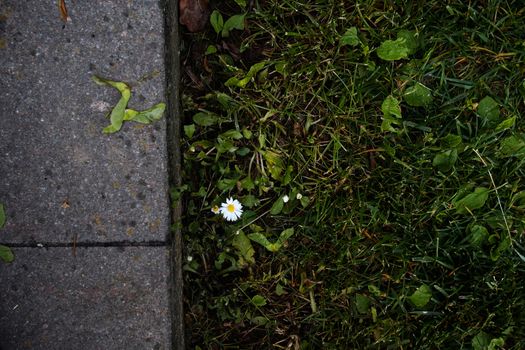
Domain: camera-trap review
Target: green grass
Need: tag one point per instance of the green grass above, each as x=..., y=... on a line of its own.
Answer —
x=383, y=213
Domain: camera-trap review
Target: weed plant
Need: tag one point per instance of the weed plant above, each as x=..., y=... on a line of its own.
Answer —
x=377, y=148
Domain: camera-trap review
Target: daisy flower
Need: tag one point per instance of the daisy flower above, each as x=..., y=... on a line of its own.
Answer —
x=286, y=198
x=299, y=196
x=231, y=210
x=215, y=209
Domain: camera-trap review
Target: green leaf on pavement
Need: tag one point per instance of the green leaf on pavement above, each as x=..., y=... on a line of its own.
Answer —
x=147, y=116
x=117, y=113
x=6, y=255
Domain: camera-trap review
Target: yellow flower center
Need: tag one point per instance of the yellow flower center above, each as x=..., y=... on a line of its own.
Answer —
x=231, y=208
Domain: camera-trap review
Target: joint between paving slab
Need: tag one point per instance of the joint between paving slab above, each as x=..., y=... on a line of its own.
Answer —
x=172, y=59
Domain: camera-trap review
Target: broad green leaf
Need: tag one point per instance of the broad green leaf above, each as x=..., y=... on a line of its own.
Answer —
x=305, y=201
x=444, y=161
x=247, y=133
x=118, y=112
x=506, y=124
x=279, y=290
x=243, y=151
x=362, y=303
x=2, y=216
x=226, y=184
x=421, y=296
x=519, y=200
x=241, y=83
x=259, y=320
x=513, y=146
x=224, y=146
x=274, y=163
x=280, y=67
x=241, y=3
x=472, y=201
x=189, y=130
x=205, y=119
x=147, y=116
x=277, y=207
x=496, y=343
x=488, y=110
x=234, y=22
x=392, y=50
x=262, y=240
x=481, y=341
x=247, y=183
x=390, y=107
x=6, y=255
x=478, y=235
x=350, y=37
x=258, y=300
x=418, y=95
x=285, y=235
x=451, y=141
x=217, y=22
x=231, y=134
x=502, y=247
x=262, y=140
x=287, y=178
x=244, y=247
x=386, y=124
x=374, y=290
x=258, y=237
x=411, y=40
x=391, y=114
x=211, y=49
x=250, y=201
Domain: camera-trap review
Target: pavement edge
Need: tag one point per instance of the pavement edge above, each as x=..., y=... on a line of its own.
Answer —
x=172, y=58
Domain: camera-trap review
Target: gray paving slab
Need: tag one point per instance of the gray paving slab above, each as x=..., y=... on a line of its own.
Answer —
x=61, y=179
x=101, y=298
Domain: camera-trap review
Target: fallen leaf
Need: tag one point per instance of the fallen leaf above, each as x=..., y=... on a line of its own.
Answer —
x=194, y=14
x=63, y=11
x=65, y=204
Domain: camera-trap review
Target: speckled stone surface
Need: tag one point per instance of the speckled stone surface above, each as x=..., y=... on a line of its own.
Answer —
x=62, y=180
x=101, y=298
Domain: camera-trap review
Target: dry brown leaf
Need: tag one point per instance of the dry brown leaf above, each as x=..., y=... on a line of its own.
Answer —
x=63, y=11
x=194, y=14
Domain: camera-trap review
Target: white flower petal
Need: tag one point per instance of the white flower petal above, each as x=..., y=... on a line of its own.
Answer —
x=231, y=210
